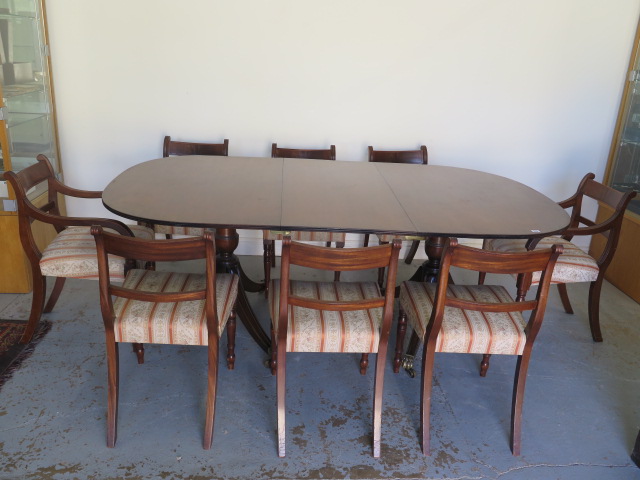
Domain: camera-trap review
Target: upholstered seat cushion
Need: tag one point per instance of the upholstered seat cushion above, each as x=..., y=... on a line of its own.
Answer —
x=574, y=265
x=176, y=230
x=307, y=236
x=466, y=331
x=180, y=323
x=329, y=331
x=73, y=254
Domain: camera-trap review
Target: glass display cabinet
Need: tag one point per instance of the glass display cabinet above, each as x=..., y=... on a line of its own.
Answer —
x=623, y=174
x=27, y=123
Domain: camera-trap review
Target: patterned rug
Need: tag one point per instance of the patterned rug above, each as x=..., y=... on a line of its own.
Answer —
x=13, y=353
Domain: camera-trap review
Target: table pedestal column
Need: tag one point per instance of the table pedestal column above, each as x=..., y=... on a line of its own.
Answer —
x=226, y=242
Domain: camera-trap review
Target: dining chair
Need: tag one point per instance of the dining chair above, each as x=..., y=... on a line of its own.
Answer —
x=72, y=253
x=476, y=319
x=575, y=265
x=270, y=236
x=173, y=148
x=161, y=307
x=332, y=316
x=415, y=157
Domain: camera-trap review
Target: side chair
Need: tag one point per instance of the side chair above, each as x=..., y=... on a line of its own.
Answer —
x=270, y=237
x=332, y=316
x=165, y=308
x=173, y=148
x=72, y=253
x=414, y=157
x=476, y=319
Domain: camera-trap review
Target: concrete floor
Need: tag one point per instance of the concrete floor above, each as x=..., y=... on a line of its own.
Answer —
x=581, y=411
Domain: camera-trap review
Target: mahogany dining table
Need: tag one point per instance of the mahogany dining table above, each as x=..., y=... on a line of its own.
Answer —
x=230, y=193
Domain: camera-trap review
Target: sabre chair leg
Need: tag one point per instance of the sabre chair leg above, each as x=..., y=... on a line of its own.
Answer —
x=231, y=340
x=55, y=294
x=425, y=399
x=138, y=349
x=564, y=297
x=402, y=329
x=365, y=243
x=412, y=252
x=267, y=254
x=381, y=272
x=519, y=382
x=273, y=362
x=212, y=386
x=336, y=275
x=280, y=393
x=112, y=390
x=594, y=309
x=37, y=305
x=377, y=401
x=364, y=363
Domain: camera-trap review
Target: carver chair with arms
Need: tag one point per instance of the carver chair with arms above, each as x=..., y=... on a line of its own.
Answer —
x=165, y=308
x=478, y=319
x=414, y=157
x=72, y=253
x=332, y=316
x=575, y=265
x=270, y=237
x=173, y=148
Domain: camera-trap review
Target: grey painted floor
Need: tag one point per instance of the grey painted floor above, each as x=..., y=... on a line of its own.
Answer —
x=581, y=412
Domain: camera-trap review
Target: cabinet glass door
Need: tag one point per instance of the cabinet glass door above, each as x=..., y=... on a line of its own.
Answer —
x=624, y=169
x=27, y=119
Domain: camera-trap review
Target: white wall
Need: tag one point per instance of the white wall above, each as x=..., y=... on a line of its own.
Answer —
x=528, y=89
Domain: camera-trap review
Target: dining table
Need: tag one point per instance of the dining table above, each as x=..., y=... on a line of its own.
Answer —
x=283, y=194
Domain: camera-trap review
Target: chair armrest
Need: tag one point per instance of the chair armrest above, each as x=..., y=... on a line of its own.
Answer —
x=60, y=221
x=74, y=192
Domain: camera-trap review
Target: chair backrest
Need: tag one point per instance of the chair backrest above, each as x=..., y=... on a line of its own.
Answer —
x=155, y=251
x=170, y=147
x=338, y=259
x=607, y=227
x=317, y=154
x=400, y=156
x=479, y=260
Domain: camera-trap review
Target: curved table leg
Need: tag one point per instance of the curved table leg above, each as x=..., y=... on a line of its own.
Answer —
x=226, y=243
x=427, y=272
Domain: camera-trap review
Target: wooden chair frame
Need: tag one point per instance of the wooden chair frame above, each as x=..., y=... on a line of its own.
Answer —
x=608, y=228
x=523, y=264
x=172, y=147
x=22, y=182
x=415, y=157
x=269, y=249
x=160, y=251
x=323, y=258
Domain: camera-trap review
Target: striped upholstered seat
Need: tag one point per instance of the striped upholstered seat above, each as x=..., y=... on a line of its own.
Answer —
x=73, y=254
x=311, y=330
x=307, y=236
x=176, y=230
x=466, y=331
x=574, y=265
x=181, y=323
